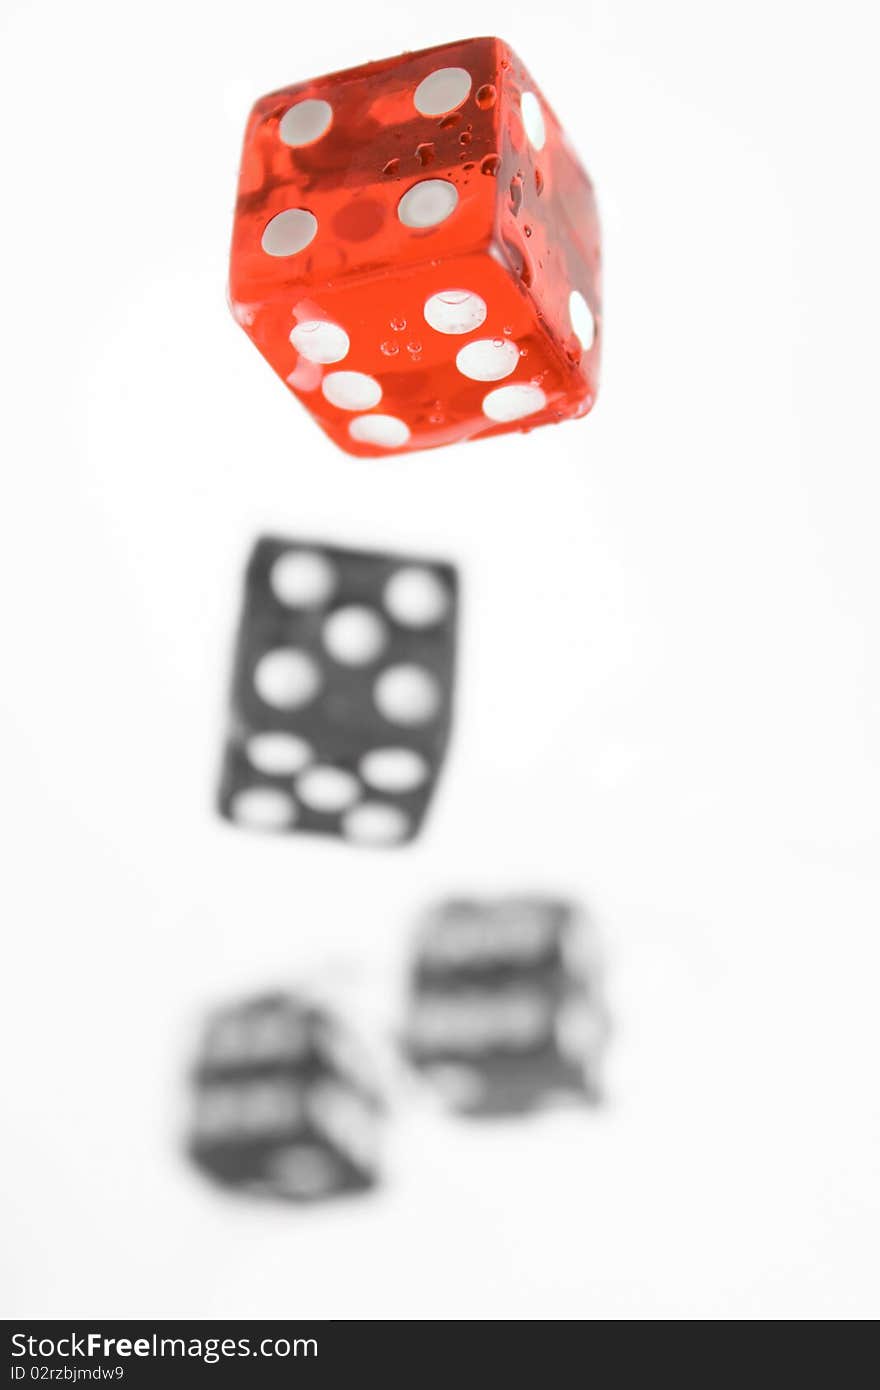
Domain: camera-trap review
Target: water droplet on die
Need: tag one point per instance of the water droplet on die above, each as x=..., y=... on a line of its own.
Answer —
x=485, y=96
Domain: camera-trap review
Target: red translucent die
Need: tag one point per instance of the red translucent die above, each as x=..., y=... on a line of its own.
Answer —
x=416, y=250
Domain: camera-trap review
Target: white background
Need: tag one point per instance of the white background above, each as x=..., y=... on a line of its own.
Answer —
x=669, y=678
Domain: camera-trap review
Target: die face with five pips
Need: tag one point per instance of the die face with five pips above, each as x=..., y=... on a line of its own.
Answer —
x=416, y=250
x=342, y=692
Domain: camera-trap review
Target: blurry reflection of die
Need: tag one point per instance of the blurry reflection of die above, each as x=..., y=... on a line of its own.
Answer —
x=281, y=1102
x=504, y=1010
x=342, y=692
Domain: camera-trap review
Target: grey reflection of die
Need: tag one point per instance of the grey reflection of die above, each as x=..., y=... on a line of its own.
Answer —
x=505, y=1009
x=282, y=1103
x=342, y=692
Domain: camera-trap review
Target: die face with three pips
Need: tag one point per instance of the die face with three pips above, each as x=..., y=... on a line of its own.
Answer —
x=416, y=250
x=341, y=699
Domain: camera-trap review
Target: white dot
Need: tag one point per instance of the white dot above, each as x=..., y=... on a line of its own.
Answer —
x=263, y=808
x=218, y=1110
x=582, y=320
x=579, y=1030
x=455, y=311
x=385, y=431
x=263, y=1107
x=407, y=694
x=416, y=597
x=289, y=232
x=488, y=359
x=327, y=789
x=355, y=635
x=227, y=1038
x=442, y=91
x=321, y=342
x=394, y=769
x=277, y=754
x=273, y=1032
x=461, y=1086
x=287, y=678
x=374, y=823
x=305, y=122
x=513, y=402
x=427, y=203
x=351, y=390
x=302, y=579
x=533, y=119
x=302, y=1171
